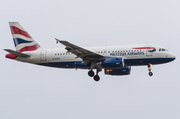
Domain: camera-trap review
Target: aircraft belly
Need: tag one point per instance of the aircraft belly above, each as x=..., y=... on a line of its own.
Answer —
x=73, y=64
x=146, y=61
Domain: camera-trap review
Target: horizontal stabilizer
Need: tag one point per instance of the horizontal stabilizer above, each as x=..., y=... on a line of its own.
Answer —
x=17, y=53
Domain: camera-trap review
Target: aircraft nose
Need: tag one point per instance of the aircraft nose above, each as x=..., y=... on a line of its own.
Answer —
x=172, y=56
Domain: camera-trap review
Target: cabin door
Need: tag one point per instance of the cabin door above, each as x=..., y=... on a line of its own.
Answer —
x=149, y=50
x=104, y=53
x=43, y=55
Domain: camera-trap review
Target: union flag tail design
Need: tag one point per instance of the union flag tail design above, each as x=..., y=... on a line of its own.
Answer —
x=22, y=40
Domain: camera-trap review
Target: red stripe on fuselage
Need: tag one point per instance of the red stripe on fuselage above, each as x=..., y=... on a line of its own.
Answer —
x=145, y=48
x=15, y=30
x=29, y=48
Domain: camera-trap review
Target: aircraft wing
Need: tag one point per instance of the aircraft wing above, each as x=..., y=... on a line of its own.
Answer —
x=85, y=54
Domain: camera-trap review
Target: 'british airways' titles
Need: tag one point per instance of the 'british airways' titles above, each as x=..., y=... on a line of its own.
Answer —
x=126, y=53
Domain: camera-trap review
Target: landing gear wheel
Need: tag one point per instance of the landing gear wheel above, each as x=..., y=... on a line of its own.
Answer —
x=149, y=68
x=96, y=78
x=91, y=73
x=150, y=73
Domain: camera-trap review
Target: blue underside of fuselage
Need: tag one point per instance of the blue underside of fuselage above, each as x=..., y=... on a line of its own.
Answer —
x=128, y=62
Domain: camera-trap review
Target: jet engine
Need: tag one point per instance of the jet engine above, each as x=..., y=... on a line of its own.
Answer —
x=115, y=62
x=120, y=71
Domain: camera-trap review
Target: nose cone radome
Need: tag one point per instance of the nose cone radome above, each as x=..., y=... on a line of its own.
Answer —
x=172, y=56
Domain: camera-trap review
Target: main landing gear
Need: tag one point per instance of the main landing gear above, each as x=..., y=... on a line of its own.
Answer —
x=149, y=68
x=91, y=73
x=96, y=77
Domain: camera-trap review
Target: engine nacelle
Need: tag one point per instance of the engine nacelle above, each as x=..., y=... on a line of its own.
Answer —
x=115, y=62
x=120, y=71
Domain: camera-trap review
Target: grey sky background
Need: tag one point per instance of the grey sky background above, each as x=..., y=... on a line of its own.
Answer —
x=31, y=92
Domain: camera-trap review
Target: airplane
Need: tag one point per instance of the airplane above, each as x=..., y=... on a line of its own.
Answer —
x=115, y=60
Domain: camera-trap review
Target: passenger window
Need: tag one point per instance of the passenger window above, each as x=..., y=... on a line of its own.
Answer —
x=159, y=49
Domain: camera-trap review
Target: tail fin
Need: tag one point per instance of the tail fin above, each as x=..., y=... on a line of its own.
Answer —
x=22, y=40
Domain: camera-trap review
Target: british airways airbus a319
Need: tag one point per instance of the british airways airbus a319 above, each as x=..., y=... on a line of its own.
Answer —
x=115, y=60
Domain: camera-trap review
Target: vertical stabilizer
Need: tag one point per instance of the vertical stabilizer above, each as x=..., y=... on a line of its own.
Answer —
x=22, y=40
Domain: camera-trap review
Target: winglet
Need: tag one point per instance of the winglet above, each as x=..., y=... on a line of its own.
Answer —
x=57, y=40
x=60, y=41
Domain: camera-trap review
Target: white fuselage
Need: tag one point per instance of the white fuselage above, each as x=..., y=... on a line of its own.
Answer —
x=133, y=55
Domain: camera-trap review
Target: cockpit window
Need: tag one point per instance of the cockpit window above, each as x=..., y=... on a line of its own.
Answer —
x=162, y=49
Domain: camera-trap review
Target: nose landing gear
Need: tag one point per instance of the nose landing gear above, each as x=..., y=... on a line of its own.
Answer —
x=149, y=68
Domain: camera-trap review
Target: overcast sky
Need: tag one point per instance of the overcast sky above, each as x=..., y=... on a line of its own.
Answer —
x=34, y=92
